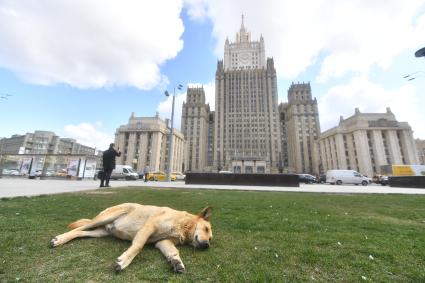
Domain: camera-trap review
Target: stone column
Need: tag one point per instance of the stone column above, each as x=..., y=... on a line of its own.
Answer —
x=131, y=149
x=342, y=160
x=409, y=147
x=143, y=150
x=119, y=142
x=156, y=151
x=363, y=156
x=378, y=149
x=393, y=147
x=315, y=157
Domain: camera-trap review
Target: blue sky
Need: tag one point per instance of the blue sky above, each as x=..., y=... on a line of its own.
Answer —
x=81, y=68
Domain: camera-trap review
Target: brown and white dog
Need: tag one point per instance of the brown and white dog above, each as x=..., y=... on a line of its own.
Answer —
x=143, y=224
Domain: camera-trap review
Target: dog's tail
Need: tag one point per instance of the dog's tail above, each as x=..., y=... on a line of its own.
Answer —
x=79, y=223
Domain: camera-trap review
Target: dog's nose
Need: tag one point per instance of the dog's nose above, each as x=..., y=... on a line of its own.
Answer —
x=203, y=245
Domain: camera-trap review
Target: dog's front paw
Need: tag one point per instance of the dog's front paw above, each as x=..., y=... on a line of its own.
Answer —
x=54, y=242
x=177, y=265
x=119, y=265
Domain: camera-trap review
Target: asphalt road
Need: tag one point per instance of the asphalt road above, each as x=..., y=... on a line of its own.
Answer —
x=14, y=187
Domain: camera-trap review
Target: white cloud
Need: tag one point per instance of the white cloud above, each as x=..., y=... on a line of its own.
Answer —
x=90, y=43
x=88, y=134
x=197, y=9
x=350, y=36
x=165, y=107
x=371, y=98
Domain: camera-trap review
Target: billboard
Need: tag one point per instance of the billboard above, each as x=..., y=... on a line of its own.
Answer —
x=25, y=165
x=82, y=165
x=73, y=167
x=90, y=169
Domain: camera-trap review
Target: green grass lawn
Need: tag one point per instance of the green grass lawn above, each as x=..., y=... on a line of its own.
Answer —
x=257, y=237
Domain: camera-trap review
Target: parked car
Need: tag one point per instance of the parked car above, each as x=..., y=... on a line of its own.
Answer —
x=124, y=172
x=376, y=179
x=306, y=178
x=159, y=176
x=38, y=173
x=62, y=173
x=13, y=172
x=384, y=180
x=340, y=177
x=141, y=175
x=322, y=179
x=50, y=173
x=179, y=176
x=225, y=172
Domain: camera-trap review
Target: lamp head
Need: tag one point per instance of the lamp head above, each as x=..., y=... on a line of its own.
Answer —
x=166, y=93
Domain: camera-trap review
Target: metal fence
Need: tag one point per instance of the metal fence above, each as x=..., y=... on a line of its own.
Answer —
x=60, y=166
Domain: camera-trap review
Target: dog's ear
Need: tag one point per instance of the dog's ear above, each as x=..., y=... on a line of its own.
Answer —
x=206, y=213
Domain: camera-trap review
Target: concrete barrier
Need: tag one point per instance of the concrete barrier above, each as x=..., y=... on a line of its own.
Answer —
x=278, y=180
x=407, y=181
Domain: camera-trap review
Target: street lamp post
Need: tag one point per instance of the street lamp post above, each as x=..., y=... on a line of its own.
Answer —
x=171, y=143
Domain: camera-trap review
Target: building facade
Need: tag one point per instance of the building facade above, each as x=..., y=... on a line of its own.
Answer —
x=366, y=141
x=42, y=142
x=284, y=158
x=302, y=129
x=195, y=128
x=210, y=153
x=246, y=114
x=71, y=146
x=144, y=141
x=420, y=147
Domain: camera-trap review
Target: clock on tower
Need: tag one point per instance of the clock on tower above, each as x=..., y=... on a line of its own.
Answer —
x=244, y=59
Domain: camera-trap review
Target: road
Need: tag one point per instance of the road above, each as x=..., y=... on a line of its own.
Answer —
x=14, y=187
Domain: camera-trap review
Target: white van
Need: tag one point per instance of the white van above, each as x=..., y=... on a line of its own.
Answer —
x=124, y=172
x=340, y=177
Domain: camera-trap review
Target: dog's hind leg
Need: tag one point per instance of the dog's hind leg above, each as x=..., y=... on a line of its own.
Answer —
x=172, y=254
x=136, y=246
x=105, y=217
x=62, y=239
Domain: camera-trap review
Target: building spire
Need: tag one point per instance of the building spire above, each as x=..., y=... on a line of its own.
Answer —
x=243, y=35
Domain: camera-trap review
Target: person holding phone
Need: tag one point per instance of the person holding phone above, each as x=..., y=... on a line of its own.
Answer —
x=108, y=159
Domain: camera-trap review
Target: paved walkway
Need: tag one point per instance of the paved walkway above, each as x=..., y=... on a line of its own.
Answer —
x=13, y=187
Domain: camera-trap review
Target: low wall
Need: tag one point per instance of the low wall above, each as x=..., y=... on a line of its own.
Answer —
x=279, y=180
x=407, y=181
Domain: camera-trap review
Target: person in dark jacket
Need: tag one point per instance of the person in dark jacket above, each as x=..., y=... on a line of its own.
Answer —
x=108, y=164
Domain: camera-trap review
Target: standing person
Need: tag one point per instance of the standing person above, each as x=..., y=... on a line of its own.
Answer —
x=146, y=171
x=108, y=164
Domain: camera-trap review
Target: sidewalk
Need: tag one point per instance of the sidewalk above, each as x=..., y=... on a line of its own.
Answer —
x=14, y=187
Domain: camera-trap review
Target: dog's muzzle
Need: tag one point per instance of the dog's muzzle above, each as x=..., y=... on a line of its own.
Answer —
x=202, y=245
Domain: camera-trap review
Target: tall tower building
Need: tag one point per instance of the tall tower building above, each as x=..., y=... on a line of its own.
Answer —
x=283, y=158
x=195, y=127
x=210, y=154
x=303, y=130
x=247, y=128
